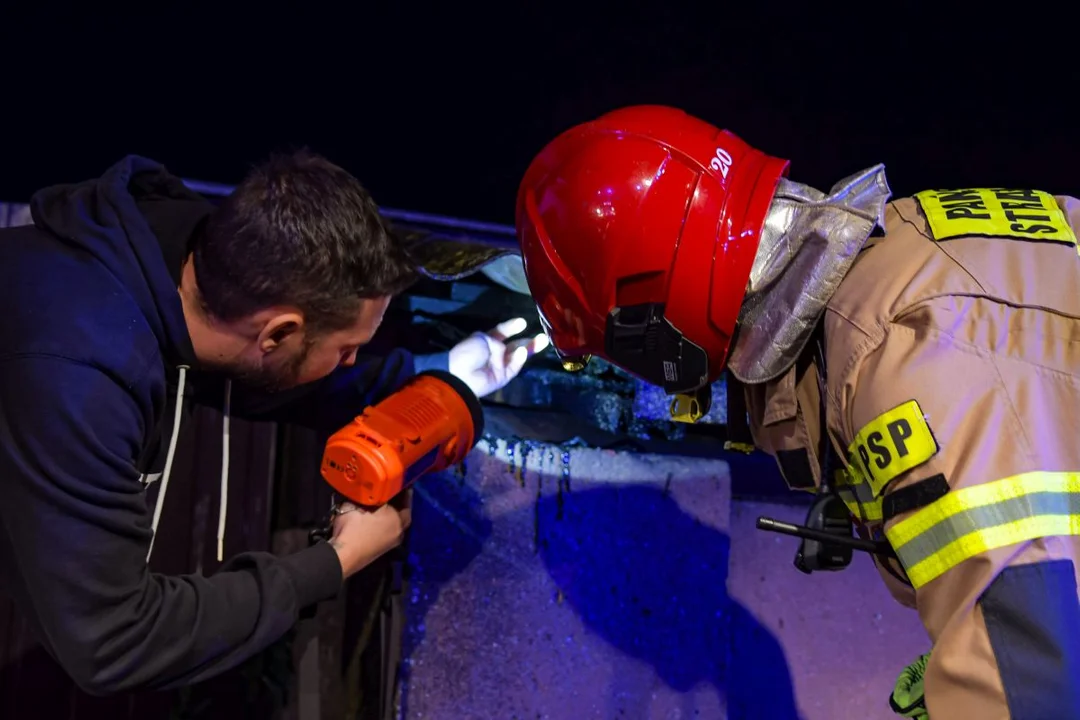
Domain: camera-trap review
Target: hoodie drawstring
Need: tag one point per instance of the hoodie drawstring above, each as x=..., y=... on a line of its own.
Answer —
x=177, y=416
x=224, y=502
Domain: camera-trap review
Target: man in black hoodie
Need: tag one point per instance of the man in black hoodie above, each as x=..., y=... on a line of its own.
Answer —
x=129, y=299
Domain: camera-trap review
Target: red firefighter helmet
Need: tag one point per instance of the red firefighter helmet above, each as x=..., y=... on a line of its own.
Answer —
x=638, y=231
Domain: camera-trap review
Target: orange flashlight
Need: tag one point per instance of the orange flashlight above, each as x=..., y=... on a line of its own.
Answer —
x=429, y=424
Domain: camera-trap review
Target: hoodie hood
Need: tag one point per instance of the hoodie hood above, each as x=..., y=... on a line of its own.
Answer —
x=130, y=219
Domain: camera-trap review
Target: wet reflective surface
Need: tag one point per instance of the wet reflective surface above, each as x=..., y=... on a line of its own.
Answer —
x=570, y=582
x=563, y=582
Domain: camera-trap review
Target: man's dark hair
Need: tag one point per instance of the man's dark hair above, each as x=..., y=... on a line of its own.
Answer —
x=298, y=231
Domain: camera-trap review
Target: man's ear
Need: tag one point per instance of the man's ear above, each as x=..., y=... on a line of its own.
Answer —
x=278, y=328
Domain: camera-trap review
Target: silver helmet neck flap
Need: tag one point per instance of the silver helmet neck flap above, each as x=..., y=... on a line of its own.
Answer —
x=808, y=244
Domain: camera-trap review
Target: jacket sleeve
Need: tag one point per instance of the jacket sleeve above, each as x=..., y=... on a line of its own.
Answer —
x=974, y=458
x=332, y=402
x=76, y=516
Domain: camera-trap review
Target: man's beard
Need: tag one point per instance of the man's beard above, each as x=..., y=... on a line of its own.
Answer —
x=274, y=377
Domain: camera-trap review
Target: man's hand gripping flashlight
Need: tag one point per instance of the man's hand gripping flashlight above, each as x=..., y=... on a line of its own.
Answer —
x=429, y=424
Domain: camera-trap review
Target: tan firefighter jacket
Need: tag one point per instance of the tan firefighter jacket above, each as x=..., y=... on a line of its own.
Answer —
x=952, y=398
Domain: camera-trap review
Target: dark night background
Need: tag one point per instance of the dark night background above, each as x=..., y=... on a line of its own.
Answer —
x=440, y=108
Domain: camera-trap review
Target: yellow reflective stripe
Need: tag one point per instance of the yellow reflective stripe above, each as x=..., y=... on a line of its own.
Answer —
x=977, y=543
x=970, y=521
x=990, y=493
x=872, y=511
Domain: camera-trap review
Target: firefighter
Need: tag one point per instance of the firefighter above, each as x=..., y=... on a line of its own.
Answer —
x=916, y=358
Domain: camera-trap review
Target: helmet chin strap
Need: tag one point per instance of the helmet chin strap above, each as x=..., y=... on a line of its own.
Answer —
x=808, y=243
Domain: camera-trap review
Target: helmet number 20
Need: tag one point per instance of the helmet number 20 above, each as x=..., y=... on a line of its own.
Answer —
x=722, y=162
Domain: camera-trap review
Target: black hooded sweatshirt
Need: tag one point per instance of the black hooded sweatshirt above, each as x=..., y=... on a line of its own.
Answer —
x=94, y=351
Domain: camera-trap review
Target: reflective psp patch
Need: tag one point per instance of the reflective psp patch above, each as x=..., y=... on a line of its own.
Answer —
x=892, y=443
x=1031, y=215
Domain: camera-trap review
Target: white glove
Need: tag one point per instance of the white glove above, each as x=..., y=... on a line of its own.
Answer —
x=486, y=362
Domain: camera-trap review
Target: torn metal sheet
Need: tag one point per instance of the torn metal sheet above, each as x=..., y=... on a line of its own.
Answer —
x=448, y=259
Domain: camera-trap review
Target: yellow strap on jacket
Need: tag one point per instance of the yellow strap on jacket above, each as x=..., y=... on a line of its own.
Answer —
x=969, y=521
